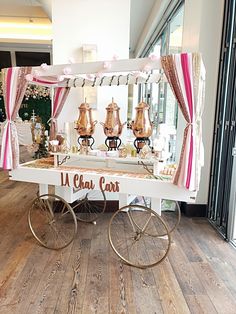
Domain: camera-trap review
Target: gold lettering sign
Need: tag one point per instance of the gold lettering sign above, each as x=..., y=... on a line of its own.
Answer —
x=65, y=180
x=79, y=182
x=108, y=187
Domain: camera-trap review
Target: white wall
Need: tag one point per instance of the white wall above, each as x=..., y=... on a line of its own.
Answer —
x=202, y=32
x=104, y=23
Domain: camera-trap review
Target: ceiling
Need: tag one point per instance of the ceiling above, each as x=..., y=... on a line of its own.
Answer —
x=21, y=8
x=140, y=11
x=21, y=2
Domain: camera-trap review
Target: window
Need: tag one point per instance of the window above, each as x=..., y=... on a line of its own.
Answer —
x=176, y=30
x=5, y=59
x=31, y=58
x=24, y=55
x=163, y=105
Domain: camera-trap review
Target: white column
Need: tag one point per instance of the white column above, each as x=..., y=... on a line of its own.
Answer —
x=43, y=189
x=156, y=205
x=104, y=23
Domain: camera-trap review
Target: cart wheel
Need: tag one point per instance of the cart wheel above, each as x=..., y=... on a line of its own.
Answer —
x=170, y=212
x=90, y=205
x=135, y=234
x=52, y=221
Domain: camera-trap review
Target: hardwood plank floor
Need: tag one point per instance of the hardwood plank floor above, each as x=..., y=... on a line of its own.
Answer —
x=198, y=276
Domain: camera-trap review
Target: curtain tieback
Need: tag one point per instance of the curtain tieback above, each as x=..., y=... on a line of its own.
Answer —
x=13, y=127
x=192, y=124
x=6, y=122
x=52, y=120
x=197, y=123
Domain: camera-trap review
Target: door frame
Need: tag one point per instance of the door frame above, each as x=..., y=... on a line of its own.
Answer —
x=232, y=203
x=224, y=131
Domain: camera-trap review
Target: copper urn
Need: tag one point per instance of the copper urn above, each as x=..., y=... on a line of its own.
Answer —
x=142, y=126
x=85, y=125
x=112, y=126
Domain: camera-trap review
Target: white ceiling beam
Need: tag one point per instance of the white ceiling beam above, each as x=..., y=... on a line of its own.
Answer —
x=47, y=6
x=100, y=67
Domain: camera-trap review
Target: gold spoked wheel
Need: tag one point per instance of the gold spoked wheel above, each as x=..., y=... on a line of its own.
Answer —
x=135, y=234
x=52, y=221
x=90, y=205
x=170, y=213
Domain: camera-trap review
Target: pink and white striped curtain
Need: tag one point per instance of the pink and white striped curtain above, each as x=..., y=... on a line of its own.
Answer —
x=59, y=98
x=185, y=73
x=14, y=85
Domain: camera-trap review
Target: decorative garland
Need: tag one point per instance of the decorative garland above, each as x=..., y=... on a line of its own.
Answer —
x=33, y=91
x=36, y=98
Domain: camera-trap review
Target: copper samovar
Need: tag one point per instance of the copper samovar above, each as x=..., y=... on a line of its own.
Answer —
x=142, y=126
x=85, y=125
x=112, y=126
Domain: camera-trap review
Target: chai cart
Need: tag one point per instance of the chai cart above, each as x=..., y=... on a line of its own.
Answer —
x=81, y=189
x=81, y=193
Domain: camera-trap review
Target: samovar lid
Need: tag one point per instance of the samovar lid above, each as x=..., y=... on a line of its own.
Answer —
x=84, y=105
x=112, y=106
x=142, y=105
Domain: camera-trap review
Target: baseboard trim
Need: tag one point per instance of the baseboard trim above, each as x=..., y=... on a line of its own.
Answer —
x=111, y=206
x=194, y=210
x=189, y=210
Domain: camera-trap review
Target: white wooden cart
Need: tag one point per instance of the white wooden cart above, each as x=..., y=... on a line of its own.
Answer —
x=81, y=193
x=84, y=183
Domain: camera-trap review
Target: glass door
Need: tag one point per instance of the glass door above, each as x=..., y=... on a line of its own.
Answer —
x=224, y=136
x=232, y=203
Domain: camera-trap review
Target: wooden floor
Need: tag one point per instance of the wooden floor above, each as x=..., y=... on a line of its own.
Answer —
x=199, y=275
